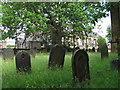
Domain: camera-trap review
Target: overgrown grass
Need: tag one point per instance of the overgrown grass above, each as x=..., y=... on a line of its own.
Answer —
x=41, y=77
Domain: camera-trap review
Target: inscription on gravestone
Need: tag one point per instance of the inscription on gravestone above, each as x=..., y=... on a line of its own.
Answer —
x=104, y=51
x=56, y=58
x=23, y=62
x=8, y=53
x=80, y=66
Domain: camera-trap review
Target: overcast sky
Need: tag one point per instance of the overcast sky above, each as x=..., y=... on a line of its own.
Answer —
x=105, y=22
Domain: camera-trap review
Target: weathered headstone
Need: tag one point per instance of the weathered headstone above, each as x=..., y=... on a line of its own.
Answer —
x=76, y=49
x=115, y=65
x=56, y=58
x=98, y=49
x=23, y=62
x=32, y=52
x=7, y=53
x=93, y=49
x=80, y=66
x=89, y=50
x=104, y=51
x=86, y=50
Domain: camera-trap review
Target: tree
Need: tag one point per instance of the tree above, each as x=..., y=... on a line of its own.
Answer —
x=31, y=17
x=115, y=21
x=101, y=41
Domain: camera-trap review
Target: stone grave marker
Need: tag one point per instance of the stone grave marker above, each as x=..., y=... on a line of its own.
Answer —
x=76, y=48
x=32, y=52
x=7, y=53
x=56, y=58
x=98, y=49
x=93, y=49
x=89, y=50
x=115, y=65
x=23, y=62
x=80, y=66
x=104, y=51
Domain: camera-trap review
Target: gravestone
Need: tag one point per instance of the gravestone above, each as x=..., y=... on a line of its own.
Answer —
x=86, y=50
x=104, y=51
x=98, y=49
x=32, y=52
x=93, y=49
x=76, y=48
x=7, y=53
x=56, y=58
x=80, y=66
x=89, y=50
x=115, y=65
x=23, y=62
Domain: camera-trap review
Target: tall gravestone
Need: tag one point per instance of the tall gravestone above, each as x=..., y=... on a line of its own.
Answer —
x=7, y=53
x=104, y=51
x=56, y=58
x=80, y=66
x=23, y=62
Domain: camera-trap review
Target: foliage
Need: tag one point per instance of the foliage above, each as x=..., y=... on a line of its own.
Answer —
x=41, y=77
x=101, y=41
x=32, y=17
x=109, y=33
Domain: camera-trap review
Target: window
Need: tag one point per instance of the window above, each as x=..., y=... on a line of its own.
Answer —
x=89, y=41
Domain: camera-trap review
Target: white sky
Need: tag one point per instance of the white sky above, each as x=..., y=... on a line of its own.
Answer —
x=105, y=22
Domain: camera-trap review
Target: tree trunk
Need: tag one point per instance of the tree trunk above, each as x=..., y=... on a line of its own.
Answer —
x=56, y=35
x=115, y=21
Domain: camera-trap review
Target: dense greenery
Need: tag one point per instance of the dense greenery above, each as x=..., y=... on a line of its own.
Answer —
x=101, y=41
x=56, y=19
x=101, y=74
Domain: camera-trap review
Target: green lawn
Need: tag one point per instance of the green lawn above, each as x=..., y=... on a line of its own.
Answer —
x=42, y=77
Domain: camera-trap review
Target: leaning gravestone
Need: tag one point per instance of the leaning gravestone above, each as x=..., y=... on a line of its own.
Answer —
x=80, y=66
x=7, y=53
x=23, y=62
x=104, y=51
x=56, y=58
x=32, y=52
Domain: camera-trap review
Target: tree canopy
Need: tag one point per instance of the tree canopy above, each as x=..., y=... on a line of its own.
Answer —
x=101, y=41
x=65, y=18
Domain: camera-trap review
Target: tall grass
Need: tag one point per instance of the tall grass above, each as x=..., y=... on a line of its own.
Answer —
x=41, y=77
